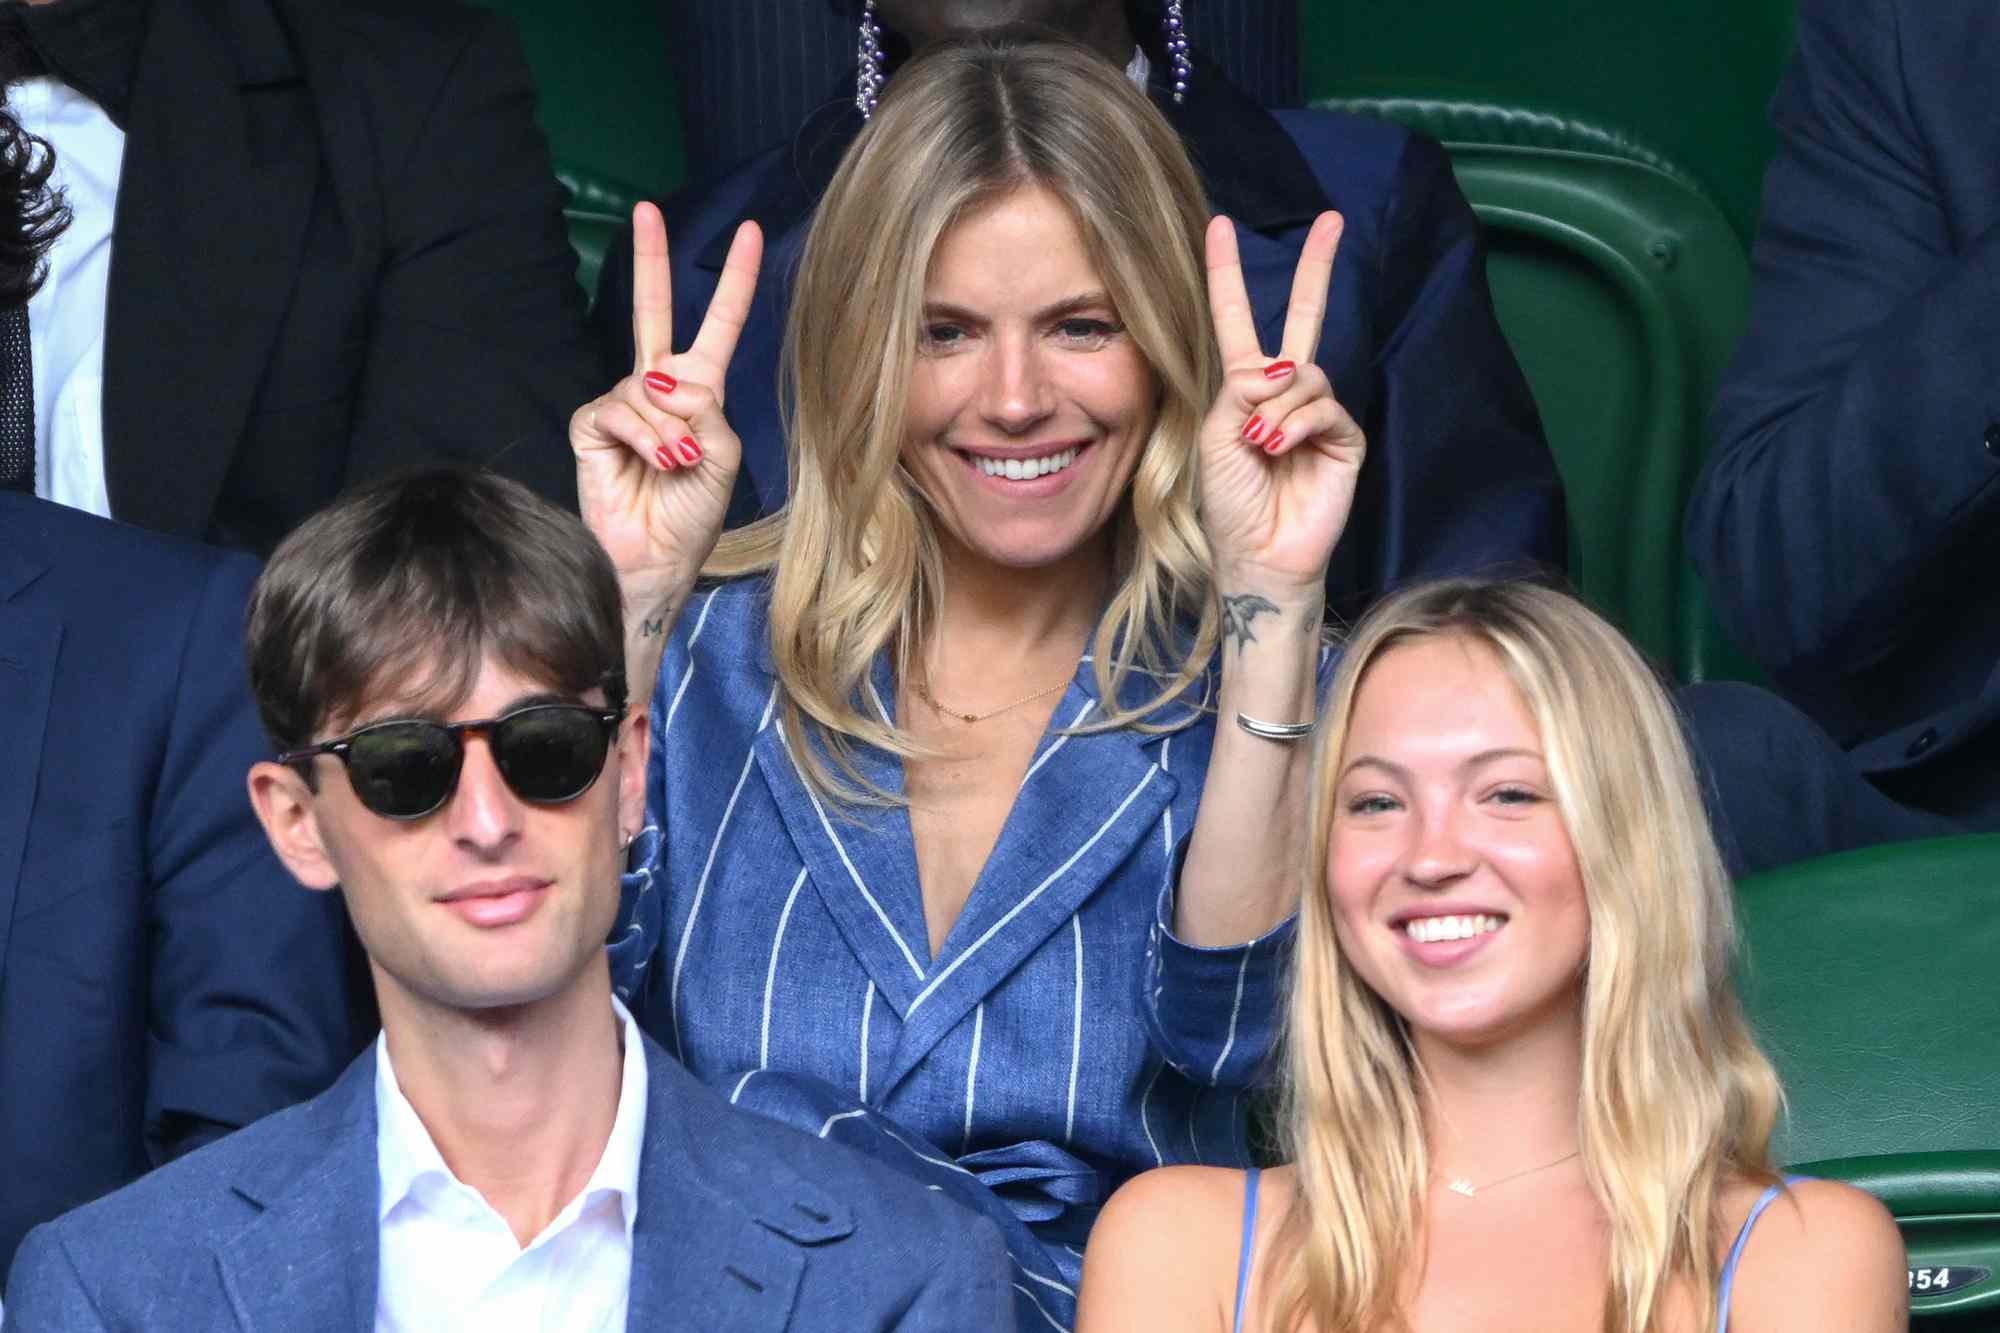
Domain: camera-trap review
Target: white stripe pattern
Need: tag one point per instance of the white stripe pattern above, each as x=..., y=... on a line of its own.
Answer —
x=867, y=1012
x=833, y=1120
x=1061, y=741
x=1145, y=1121
x=1235, y=1012
x=771, y=972
x=1048, y=1282
x=1076, y=1032
x=701, y=885
x=737, y=1091
x=853, y=874
x=930, y=988
x=972, y=1073
x=707, y=605
x=1053, y=1322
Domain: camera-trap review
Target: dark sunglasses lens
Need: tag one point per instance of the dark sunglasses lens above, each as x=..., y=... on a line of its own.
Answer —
x=550, y=754
x=403, y=769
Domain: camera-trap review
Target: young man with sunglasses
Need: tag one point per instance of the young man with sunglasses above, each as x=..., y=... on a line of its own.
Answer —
x=439, y=659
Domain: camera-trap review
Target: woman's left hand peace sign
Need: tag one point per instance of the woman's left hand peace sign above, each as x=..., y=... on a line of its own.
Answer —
x=1279, y=454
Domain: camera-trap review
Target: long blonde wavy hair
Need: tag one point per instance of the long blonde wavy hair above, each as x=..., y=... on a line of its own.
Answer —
x=854, y=558
x=1677, y=1101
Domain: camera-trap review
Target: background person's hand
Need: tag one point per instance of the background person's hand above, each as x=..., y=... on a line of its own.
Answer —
x=656, y=459
x=1279, y=454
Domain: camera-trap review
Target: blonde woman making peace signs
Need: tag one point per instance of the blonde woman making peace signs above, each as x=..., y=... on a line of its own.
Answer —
x=977, y=785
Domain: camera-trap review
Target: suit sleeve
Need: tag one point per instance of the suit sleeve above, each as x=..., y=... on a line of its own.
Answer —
x=971, y=1285
x=1850, y=432
x=478, y=349
x=1213, y=1013
x=45, y=1293
x=248, y=992
x=1459, y=479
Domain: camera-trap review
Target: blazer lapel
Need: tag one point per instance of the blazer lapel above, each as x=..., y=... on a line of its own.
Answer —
x=219, y=177
x=1082, y=809
x=717, y=1241
x=310, y=1259
x=862, y=860
x=28, y=646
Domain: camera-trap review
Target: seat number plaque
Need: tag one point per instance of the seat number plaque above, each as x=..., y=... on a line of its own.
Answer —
x=1939, y=1281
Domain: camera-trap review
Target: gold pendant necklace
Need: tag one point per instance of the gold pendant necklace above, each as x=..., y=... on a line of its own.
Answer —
x=1463, y=1185
x=924, y=692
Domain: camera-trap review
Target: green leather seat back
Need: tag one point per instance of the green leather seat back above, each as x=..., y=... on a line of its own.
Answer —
x=598, y=207
x=1693, y=76
x=1873, y=980
x=1622, y=289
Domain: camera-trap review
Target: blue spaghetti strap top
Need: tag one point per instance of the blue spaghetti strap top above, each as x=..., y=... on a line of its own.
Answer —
x=1249, y=1251
x=1728, y=1282
x=1736, y=1251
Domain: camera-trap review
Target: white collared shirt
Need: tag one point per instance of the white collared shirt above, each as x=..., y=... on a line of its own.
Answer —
x=66, y=317
x=449, y=1262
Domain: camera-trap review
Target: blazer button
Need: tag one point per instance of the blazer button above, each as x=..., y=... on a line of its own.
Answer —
x=1923, y=742
x=1993, y=439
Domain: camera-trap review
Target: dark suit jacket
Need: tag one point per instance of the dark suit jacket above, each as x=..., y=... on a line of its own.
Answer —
x=161, y=977
x=749, y=71
x=1458, y=478
x=744, y=1226
x=338, y=249
x=1849, y=519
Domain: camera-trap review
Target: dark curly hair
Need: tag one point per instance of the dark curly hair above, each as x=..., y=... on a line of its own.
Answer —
x=32, y=214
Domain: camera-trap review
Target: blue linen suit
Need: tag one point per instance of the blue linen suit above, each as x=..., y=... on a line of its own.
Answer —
x=1458, y=479
x=742, y=1226
x=1061, y=1041
x=162, y=978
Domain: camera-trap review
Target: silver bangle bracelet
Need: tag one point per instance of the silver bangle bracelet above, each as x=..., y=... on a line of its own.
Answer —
x=1274, y=731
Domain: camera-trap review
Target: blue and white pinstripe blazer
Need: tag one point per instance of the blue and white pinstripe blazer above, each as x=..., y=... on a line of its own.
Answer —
x=1061, y=1041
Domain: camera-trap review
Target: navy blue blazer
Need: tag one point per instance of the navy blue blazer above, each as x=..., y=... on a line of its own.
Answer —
x=1848, y=522
x=162, y=978
x=1458, y=478
x=743, y=1227
x=1061, y=1041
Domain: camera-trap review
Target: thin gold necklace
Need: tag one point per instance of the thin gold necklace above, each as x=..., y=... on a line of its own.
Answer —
x=923, y=683
x=1463, y=1185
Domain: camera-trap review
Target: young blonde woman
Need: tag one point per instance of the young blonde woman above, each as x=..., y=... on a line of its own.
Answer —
x=1521, y=1094
x=977, y=771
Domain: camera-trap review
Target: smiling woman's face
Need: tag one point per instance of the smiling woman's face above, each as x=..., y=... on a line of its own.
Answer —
x=1029, y=403
x=1455, y=889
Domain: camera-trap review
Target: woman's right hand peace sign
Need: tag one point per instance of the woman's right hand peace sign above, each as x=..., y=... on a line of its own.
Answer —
x=655, y=457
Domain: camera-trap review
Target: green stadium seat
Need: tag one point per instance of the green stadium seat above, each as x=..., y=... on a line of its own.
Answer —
x=598, y=207
x=1873, y=980
x=1622, y=289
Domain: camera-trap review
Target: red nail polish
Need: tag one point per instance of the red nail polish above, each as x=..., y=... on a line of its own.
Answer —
x=1271, y=445
x=662, y=457
x=1277, y=370
x=1254, y=428
x=667, y=383
x=690, y=451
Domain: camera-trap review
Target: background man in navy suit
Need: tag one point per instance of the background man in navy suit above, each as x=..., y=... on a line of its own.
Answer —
x=512, y=1142
x=314, y=241
x=1458, y=477
x=750, y=70
x=161, y=982
x=1848, y=522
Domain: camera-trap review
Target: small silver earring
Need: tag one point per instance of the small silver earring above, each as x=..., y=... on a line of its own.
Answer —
x=868, y=61
x=1177, y=47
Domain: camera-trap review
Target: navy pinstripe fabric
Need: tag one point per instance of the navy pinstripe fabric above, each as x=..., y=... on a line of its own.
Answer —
x=759, y=66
